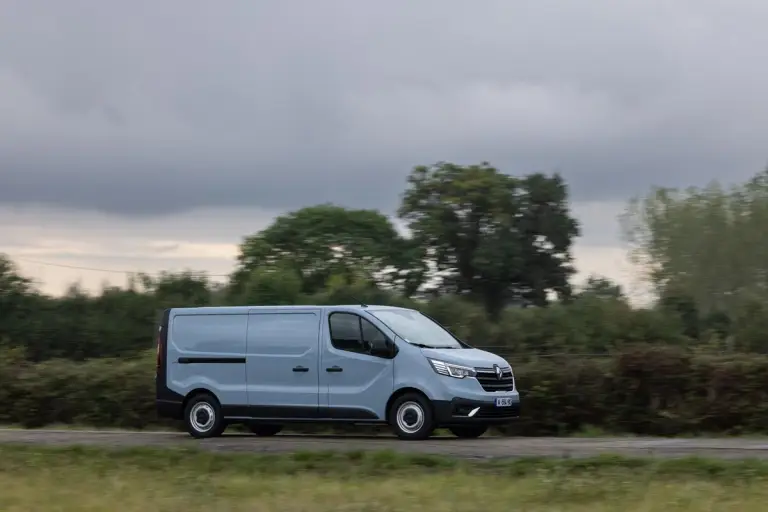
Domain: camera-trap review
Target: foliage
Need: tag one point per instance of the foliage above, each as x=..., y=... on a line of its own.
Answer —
x=499, y=238
x=101, y=392
x=704, y=245
x=641, y=390
x=485, y=253
x=121, y=322
x=321, y=241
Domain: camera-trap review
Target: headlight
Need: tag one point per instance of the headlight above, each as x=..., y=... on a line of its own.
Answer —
x=452, y=370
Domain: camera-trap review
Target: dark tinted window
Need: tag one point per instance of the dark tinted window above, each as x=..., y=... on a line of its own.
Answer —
x=371, y=334
x=354, y=334
x=345, y=332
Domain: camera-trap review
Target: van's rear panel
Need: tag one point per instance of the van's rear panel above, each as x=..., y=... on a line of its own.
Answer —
x=168, y=402
x=206, y=350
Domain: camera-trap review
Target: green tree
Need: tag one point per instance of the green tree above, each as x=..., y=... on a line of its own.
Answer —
x=601, y=288
x=269, y=287
x=683, y=307
x=17, y=301
x=11, y=282
x=497, y=238
x=320, y=241
x=183, y=289
x=707, y=244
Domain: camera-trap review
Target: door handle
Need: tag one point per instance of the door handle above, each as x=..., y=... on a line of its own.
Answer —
x=334, y=369
x=300, y=369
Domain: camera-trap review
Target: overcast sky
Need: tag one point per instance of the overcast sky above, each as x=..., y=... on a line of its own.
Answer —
x=145, y=135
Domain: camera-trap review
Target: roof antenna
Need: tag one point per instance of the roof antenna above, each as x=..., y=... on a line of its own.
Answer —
x=363, y=304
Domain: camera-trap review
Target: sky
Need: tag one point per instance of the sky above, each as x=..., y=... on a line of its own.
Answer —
x=149, y=136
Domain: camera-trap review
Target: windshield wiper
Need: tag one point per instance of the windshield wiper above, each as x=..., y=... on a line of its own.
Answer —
x=421, y=345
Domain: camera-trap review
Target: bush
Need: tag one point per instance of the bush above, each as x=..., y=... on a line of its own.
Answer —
x=99, y=393
x=652, y=390
x=646, y=390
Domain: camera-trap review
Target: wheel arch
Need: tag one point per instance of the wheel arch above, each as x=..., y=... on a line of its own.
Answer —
x=197, y=392
x=404, y=391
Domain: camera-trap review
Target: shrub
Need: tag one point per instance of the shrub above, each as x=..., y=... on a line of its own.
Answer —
x=645, y=389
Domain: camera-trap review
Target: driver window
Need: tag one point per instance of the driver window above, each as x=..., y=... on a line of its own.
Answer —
x=352, y=333
x=345, y=332
x=372, y=336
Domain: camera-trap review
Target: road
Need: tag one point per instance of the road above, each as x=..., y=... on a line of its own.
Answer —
x=483, y=448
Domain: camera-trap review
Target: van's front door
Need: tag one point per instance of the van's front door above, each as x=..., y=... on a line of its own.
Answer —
x=357, y=384
x=282, y=363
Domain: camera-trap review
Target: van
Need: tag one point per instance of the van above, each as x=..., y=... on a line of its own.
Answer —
x=269, y=366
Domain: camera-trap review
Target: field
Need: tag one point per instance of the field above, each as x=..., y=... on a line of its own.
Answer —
x=89, y=479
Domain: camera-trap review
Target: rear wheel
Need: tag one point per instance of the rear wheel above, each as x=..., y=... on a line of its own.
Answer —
x=469, y=431
x=411, y=417
x=265, y=430
x=202, y=417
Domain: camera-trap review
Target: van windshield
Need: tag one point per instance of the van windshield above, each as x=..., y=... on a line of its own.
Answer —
x=416, y=328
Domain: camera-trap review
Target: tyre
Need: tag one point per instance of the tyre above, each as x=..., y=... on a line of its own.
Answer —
x=411, y=417
x=469, y=431
x=265, y=430
x=202, y=417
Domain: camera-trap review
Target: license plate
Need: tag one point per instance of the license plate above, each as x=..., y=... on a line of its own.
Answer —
x=504, y=402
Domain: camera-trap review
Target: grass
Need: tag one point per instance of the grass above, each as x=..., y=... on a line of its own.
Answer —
x=94, y=479
x=588, y=432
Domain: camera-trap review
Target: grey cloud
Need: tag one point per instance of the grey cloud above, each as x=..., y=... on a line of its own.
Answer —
x=145, y=108
x=20, y=225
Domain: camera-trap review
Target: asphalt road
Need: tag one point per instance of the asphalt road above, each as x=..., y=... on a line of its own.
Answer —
x=483, y=448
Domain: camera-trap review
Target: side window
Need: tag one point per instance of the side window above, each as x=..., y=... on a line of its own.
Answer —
x=372, y=336
x=354, y=334
x=346, y=333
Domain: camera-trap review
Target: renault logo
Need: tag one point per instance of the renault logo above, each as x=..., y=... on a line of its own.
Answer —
x=498, y=372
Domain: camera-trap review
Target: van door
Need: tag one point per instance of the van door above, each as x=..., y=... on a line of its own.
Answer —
x=357, y=383
x=282, y=363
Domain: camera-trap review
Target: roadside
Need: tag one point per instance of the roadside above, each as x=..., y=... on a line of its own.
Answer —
x=483, y=448
x=76, y=479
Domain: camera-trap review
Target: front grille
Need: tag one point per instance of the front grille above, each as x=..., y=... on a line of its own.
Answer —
x=492, y=413
x=490, y=382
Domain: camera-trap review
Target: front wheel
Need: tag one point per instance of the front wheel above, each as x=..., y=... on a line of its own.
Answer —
x=469, y=431
x=411, y=417
x=265, y=430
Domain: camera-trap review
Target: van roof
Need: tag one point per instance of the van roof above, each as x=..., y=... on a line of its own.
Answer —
x=244, y=309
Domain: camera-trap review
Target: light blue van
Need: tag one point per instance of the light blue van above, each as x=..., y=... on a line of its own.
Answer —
x=268, y=366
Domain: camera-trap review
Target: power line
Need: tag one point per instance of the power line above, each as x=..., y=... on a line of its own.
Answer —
x=105, y=270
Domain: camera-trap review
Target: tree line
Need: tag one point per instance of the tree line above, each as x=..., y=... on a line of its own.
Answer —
x=487, y=254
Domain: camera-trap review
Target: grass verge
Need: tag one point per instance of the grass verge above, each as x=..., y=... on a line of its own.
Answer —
x=587, y=432
x=95, y=479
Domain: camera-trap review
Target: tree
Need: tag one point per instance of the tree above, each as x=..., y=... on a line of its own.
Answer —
x=682, y=306
x=17, y=300
x=320, y=241
x=11, y=282
x=267, y=287
x=184, y=289
x=492, y=236
x=601, y=288
x=707, y=244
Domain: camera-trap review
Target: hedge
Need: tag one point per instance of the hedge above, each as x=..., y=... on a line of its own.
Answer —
x=653, y=390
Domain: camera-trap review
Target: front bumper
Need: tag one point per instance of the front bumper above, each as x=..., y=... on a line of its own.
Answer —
x=457, y=412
